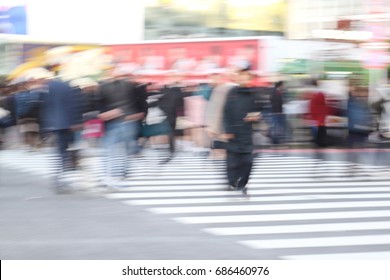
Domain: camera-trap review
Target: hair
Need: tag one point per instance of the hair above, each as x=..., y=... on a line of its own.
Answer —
x=313, y=82
x=279, y=84
x=246, y=70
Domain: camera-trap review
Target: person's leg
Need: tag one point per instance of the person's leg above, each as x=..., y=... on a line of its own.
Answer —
x=246, y=163
x=321, y=136
x=233, y=167
x=276, y=129
x=130, y=136
x=172, y=136
x=114, y=146
x=64, y=139
x=285, y=130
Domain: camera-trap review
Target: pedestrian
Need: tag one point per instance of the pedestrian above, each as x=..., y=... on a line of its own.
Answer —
x=91, y=106
x=142, y=106
x=121, y=117
x=172, y=103
x=360, y=122
x=279, y=127
x=28, y=108
x=61, y=117
x=214, y=115
x=318, y=113
x=240, y=113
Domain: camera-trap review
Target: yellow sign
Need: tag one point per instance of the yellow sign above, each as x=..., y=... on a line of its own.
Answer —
x=259, y=15
x=256, y=15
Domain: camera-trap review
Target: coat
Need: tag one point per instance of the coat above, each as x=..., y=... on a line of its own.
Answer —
x=61, y=106
x=276, y=99
x=318, y=108
x=215, y=108
x=240, y=101
x=119, y=94
x=171, y=103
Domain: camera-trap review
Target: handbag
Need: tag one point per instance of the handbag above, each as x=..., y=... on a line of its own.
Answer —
x=93, y=129
x=155, y=116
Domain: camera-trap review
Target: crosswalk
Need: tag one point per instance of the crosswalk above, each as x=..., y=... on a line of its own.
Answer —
x=299, y=208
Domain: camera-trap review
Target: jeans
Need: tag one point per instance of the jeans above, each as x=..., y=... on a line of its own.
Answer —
x=119, y=141
x=65, y=138
x=239, y=167
x=279, y=128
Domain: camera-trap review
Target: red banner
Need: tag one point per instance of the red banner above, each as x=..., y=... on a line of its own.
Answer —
x=195, y=57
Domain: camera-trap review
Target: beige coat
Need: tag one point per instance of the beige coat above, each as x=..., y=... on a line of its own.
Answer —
x=216, y=105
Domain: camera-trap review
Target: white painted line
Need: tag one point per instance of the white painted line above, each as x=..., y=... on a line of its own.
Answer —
x=213, y=200
x=304, y=182
x=271, y=207
x=318, y=242
x=222, y=171
x=209, y=191
x=304, y=228
x=253, y=199
x=283, y=217
x=277, y=177
x=263, y=169
x=343, y=256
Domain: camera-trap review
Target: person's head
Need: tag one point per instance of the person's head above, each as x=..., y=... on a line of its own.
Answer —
x=279, y=85
x=244, y=77
x=86, y=84
x=38, y=77
x=313, y=82
x=121, y=72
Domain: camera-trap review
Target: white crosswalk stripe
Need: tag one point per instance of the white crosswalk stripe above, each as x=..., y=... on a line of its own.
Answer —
x=300, y=208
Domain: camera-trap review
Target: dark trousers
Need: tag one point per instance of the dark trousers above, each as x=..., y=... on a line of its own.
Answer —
x=64, y=139
x=279, y=128
x=171, y=135
x=239, y=167
x=321, y=136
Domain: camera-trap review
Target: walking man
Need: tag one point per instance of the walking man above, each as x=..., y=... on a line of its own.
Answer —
x=241, y=111
x=279, y=126
x=121, y=116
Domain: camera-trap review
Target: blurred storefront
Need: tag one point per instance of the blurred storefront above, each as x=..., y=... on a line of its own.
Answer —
x=174, y=19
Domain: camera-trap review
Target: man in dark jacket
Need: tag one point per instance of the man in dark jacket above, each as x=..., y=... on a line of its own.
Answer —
x=121, y=116
x=171, y=103
x=61, y=116
x=278, y=118
x=241, y=111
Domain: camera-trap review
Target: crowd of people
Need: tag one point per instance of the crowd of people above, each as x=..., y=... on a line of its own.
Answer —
x=123, y=116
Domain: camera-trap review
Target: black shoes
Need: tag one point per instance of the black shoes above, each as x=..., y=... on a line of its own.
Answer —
x=165, y=161
x=231, y=188
x=244, y=192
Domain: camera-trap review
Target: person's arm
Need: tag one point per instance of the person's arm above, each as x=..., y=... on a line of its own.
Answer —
x=107, y=114
x=136, y=112
x=77, y=105
x=254, y=115
x=228, y=120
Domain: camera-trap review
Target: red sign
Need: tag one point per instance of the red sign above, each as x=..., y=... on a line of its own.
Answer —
x=197, y=57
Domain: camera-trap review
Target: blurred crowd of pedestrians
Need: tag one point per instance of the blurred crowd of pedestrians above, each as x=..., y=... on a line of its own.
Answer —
x=219, y=118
